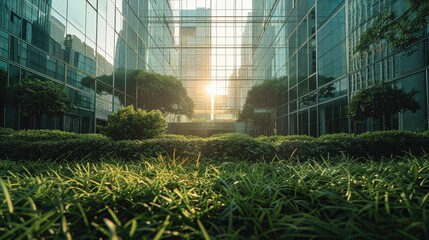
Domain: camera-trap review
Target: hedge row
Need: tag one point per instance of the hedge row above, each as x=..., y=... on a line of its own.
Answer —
x=57, y=145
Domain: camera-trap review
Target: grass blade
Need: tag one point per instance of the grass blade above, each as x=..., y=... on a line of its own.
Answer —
x=7, y=196
x=203, y=230
x=162, y=230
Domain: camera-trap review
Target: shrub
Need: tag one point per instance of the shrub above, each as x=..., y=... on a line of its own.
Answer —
x=66, y=149
x=371, y=144
x=392, y=143
x=279, y=138
x=47, y=135
x=182, y=148
x=5, y=131
x=172, y=136
x=234, y=146
x=130, y=124
x=57, y=145
x=299, y=148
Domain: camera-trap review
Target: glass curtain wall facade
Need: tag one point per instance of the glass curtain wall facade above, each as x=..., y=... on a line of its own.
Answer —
x=214, y=42
x=310, y=44
x=88, y=46
x=219, y=49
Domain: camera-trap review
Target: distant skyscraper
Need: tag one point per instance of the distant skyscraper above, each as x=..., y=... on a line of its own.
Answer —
x=195, y=50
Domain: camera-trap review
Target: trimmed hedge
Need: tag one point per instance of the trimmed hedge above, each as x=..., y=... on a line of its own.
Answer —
x=57, y=145
x=45, y=135
x=233, y=146
x=22, y=145
x=366, y=145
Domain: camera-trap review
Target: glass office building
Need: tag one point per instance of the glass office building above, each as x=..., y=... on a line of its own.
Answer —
x=218, y=48
x=310, y=46
x=214, y=48
x=89, y=46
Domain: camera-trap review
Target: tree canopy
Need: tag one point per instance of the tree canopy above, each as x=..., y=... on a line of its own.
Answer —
x=39, y=97
x=265, y=94
x=164, y=93
x=381, y=100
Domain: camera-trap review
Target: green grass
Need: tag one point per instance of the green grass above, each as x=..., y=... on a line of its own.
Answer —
x=170, y=198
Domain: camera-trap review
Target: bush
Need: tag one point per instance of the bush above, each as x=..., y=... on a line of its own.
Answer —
x=70, y=149
x=130, y=124
x=46, y=135
x=57, y=145
x=234, y=146
x=278, y=138
x=392, y=143
x=367, y=145
x=5, y=131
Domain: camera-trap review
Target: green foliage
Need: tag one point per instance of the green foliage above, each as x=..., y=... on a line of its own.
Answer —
x=28, y=147
x=248, y=113
x=375, y=145
x=47, y=135
x=380, y=100
x=6, y=131
x=130, y=124
x=40, y=97
x=391, y=143
x=236, y=147
x=164, y=93
x=398, y=31
x=278, y=139
x=169, y=198
x=57, y=145
x=265, y=94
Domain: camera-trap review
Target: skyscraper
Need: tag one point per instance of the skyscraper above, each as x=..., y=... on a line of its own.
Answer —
x=88, y=47
x=195, y=52
x=314, y=53
x=219, y=49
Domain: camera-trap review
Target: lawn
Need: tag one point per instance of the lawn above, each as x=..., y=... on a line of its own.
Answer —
x=164, y=198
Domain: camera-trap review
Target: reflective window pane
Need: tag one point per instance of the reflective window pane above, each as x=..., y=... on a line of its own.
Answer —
x=76, y=14
x=4, y=44
x=60, y=6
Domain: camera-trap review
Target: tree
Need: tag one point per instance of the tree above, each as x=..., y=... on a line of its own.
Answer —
x=164, y=93
x=130, y=124
x=265, y=96
x=380, y=101
x=37, y=98
x=398, y=31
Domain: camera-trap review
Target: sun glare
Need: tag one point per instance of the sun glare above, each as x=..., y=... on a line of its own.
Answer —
x=211, y=88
